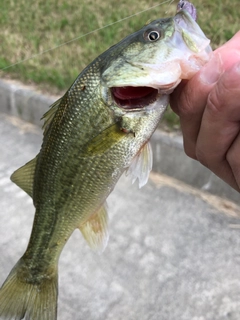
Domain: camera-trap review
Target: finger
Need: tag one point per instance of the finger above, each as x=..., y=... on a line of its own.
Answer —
x=228, y=54
x=230, y=51
x=218, y=135
x=233, y=160
x=189, y=101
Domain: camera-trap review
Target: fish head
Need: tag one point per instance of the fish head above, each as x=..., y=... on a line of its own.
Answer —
x=155, y=59
x=137, y=76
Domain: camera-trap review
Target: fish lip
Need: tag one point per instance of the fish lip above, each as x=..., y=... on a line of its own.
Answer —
x=188, y=7
x=169, y=87
x=184, y=18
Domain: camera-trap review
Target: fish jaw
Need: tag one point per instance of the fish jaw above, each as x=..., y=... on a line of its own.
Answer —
x=179, y=53
x=189, y=51
x=191, y=41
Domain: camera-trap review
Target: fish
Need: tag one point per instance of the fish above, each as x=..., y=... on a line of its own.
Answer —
x=189, y=7
x=99, y=129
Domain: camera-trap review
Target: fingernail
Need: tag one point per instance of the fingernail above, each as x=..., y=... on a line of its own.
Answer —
x=211, y=72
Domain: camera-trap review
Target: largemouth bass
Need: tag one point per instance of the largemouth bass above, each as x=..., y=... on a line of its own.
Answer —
x=97, y=130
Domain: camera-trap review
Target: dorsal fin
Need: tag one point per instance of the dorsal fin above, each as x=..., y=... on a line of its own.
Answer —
x=141, y=165
x=95, y=230
x=48, y=116
x=24, y=176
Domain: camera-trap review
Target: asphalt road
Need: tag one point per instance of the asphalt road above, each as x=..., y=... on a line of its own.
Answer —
x=173, y=252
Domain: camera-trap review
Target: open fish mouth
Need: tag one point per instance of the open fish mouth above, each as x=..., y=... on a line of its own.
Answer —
x=129, y=97
x=134, y=97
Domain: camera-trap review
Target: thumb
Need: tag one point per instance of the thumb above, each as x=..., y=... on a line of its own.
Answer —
x=229, y=53
x=189, y=101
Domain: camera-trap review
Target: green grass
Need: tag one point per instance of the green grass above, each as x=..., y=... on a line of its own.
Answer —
x=31, y=27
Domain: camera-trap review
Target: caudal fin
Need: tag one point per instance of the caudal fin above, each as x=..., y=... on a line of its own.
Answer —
x=19, y=299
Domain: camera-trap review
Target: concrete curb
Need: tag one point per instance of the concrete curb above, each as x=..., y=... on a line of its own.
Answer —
x=168, y=154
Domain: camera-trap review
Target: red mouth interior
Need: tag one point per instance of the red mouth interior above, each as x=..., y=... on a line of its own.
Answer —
x=134, y=97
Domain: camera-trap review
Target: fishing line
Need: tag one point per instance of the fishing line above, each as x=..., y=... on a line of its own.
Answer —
x=84, y=35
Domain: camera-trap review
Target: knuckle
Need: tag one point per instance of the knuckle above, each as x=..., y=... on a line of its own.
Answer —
x=215, y=104
x=220, y=96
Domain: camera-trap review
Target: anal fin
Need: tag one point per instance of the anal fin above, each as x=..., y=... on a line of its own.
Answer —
x=95, y=230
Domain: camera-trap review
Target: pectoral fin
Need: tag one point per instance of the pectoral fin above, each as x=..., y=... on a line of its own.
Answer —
x=95, y=230
x=104, y=140
x=24, y=176
x=141, y=165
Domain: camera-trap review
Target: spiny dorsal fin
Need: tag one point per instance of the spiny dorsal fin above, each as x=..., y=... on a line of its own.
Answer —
x=95, y=230
x=48, y=116
x=24, y=176
x=141, y=165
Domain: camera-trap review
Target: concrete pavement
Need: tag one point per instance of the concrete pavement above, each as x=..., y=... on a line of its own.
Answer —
x=173, y=251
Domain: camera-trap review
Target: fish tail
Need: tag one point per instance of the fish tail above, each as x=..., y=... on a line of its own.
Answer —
x=21, y=298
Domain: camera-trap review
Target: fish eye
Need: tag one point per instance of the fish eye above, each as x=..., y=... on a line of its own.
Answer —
x=152, y=35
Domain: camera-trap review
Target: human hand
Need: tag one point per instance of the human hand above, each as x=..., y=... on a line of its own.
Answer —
x=209, y=109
